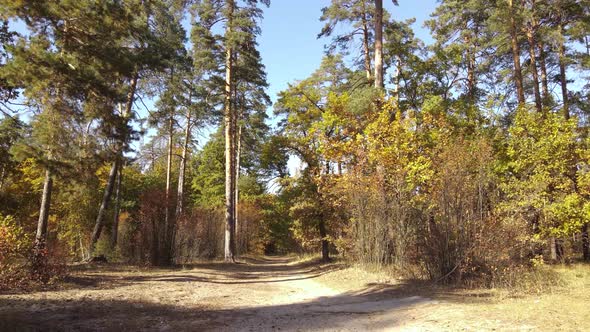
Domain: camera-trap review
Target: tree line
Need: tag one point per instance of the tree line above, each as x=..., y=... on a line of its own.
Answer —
x=448, y=158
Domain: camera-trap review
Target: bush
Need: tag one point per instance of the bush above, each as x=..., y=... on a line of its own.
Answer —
x=15, y=246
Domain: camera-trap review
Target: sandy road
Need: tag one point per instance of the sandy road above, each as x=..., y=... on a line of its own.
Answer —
x=269, y=294
x=258, y=295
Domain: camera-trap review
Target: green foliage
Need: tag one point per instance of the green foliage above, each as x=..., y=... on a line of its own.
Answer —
x=541, y=179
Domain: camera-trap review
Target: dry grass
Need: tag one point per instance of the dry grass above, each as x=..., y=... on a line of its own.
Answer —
x=548, y=298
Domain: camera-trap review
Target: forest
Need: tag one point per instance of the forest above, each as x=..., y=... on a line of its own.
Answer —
x=141, y=132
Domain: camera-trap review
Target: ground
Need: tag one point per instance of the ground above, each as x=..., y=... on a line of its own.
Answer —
x=279, y=294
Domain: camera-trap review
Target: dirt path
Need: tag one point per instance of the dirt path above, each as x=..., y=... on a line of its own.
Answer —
x=257, y=295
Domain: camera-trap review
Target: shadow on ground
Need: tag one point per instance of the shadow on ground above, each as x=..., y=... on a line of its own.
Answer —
x=332, y=312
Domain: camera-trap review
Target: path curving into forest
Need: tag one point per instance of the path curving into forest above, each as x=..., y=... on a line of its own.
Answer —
x=265, y=294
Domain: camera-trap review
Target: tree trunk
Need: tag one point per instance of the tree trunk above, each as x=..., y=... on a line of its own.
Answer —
x=533, y=55
x=396, y=78
x=379, y=79
x=229, y=119
x=237, y=189
x=182, y=168
x=471, y=83
x=366, y=48
x=41, y=236
x=115, y=228
x=585, y=244
x=2, y=176
x=516, y=57
x=562, y=74
x=118, y=155
x=544, y=79
x=98, y=225
x=166, y=245
x=325, y=244
x=39, y=259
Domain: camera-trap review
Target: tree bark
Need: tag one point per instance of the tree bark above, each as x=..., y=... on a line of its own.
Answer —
x=516, y=56
x=366, y=48
x=533, y=55
x=182, y=167
x=379, y=75
x=237, y=189
x=166, y=245
x=229, y=122
x=325, y=244
x=585, y=243
x=562, y=74
x=471, y=83
x=39, y=259
x=98, y=225
x=41, y=236
x=115, y=228
x=544, y=79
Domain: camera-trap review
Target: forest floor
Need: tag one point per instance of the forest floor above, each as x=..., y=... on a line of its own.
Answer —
x=277, y=294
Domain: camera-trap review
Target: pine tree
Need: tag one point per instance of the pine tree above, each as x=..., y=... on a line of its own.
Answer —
x=240, y=20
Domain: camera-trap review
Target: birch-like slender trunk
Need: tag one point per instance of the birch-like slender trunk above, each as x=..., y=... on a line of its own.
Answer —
x=115, y=228
x=166, y=245
x=182, y=167
x=41, y=235
x=562, y=74
x=236, y=189
x=379, y=79
x=544, y=79
x=533, y=56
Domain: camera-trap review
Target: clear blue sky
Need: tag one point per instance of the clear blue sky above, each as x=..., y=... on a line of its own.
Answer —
x=288, y=44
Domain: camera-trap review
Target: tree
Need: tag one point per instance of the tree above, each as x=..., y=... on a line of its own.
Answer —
x=358, y=14
x=241, y=28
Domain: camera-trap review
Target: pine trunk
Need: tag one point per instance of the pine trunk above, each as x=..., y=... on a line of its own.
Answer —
x=229, y=119
x=562, y=75
x=516, y=57
x=366, y=48
x=379, y=79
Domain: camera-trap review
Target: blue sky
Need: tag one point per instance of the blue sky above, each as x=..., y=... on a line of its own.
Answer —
x=288, y=44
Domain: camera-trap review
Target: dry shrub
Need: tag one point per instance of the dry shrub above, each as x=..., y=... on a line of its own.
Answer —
x=21, y=267
x=250, y=237
x=199, y=234
x=459, y=214
x=139, y=238
x=14, y=248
